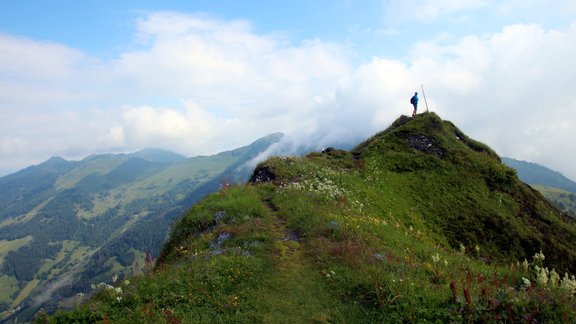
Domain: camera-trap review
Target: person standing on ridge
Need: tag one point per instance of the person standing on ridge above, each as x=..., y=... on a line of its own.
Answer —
x=414, y=102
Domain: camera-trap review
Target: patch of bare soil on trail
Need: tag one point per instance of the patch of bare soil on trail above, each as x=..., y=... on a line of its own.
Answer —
x=287, y=240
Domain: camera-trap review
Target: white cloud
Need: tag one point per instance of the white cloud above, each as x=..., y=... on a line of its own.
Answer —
x=198, y=85
x=427, y=11
x=19, y=59
x=516, y=94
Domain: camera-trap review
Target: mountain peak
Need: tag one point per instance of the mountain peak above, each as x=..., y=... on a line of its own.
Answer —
x=426, y=133
x=159, y=155
x=56, y=159
x=436, y=164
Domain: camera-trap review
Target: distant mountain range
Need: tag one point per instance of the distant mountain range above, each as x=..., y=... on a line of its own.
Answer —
x=536, y=174
x=558, y=189
x=65, y=225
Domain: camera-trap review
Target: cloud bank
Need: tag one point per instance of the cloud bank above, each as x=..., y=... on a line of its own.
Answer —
x=195, y=84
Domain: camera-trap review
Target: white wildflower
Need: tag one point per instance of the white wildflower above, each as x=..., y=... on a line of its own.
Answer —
x=539, y=257
x=462, y=248
x=569, y=284
x=525, y=265
x=436, y=258
x=114, y=278
x=554, y=278
x=541, y=276
x=526, y=283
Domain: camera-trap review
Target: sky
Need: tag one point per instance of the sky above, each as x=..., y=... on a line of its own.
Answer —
x=198, y=77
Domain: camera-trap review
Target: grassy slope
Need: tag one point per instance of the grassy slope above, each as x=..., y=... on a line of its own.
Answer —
x=7, y=284
x=565, y=200
x=400, y=228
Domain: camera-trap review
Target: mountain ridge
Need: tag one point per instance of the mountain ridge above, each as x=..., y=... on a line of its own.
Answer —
x=102, y=214
x=419, y=222
x=533, y=173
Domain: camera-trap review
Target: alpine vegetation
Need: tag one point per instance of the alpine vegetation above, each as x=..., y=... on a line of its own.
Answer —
x=417, y=223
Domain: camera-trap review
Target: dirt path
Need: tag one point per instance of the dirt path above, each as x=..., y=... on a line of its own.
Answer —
x=295, y=293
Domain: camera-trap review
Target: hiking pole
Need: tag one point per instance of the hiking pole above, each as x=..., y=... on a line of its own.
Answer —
x=424, y=93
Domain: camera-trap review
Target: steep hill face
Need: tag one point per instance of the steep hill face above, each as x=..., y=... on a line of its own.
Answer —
x=558, y=189
x=417, y=223
x=67, y=224
x=464, y=191
x=565, y=201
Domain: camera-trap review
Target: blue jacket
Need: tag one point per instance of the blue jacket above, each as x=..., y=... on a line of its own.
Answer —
x=414, y=100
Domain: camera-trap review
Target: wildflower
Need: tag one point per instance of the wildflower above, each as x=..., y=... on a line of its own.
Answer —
x=119, y=298
x=436, y=258
x=569, y=284
x=467, y=296
x=541, y=276
x=445, y=262
x=93, y=286
x=525, y=265
x=462, y=248
x=526, y=283
x=126, y=282
x=114, y=278
x=118, y=290
x=539, y=257
x=454, y=291
x=554, y=278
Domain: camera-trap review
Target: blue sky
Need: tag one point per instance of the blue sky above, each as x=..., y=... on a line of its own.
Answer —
x=107, y=26
x=198, y=77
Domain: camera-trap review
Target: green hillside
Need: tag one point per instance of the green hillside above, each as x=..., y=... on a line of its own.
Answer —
x=417, y=223
x=565, y=201
x=67, y=224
